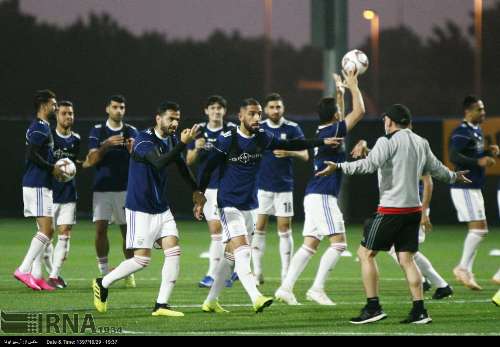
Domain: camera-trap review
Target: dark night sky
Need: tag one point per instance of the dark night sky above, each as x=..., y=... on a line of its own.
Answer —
x=291, y=18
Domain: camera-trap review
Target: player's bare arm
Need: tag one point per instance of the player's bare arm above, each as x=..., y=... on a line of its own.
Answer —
x=95, y=155
x=425, y=220
x=358, y=105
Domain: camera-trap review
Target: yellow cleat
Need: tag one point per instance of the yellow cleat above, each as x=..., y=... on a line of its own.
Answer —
x=213, y=307
x=496, y=298
x=163, y=310
x=261, y=303
x=100, y=295
x=130, y=281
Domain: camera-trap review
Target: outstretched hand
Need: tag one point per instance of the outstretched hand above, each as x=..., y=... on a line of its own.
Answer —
x=329, y=170
x=333, y=141
x=461, y=177
x=199, y=201
x=189, y=135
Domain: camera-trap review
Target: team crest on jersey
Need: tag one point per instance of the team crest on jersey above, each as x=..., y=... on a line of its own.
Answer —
x=245, y=158
x=283, y=136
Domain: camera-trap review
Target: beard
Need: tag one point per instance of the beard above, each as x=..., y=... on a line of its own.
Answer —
x=250, y=128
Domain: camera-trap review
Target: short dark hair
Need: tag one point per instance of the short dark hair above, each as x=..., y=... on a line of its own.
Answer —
x=272, y=97
x=116, y=98
x=65, y=103
x=327, y=108
x=168, y=106
x=216, y=99
x=42, y=96
x=249, y=102
x=469, y=101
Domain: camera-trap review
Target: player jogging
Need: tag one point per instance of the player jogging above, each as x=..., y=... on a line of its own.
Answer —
x=149, y=219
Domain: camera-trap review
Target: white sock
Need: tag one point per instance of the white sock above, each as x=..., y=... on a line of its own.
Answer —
x=216, y=253
x=48, y=255
x=126, y=268
x=297, y=265
x=60, y=254
x=223, y=271
x=471, y=243
x=497, y=275
x=258, y=249
x=242, y=261
x=36, y=268
x=428, y=271
x=327, y=263
x=392, y=253
x=169, y=274
x=286, y=251
x=102, y=264
x=36, y=248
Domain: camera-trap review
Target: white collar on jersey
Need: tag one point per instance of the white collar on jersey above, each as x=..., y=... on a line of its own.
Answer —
x=325, y=126
x=159, y=136
x=64, y=136
x=245, y=136
x=273, y=125
x=44, y=121
x=214, y=130
x=475, y=127
x=114, y=129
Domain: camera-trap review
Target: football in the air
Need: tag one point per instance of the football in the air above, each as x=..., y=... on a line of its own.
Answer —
x=355, y=60
x=69, y=169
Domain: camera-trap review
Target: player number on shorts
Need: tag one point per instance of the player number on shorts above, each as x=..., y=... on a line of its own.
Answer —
x=288, y=207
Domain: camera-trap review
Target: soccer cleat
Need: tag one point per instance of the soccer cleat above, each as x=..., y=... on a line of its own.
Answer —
x=286, y=297
x=466, y=278
x=472, y=283
x=100, y=295
x=230, y=282
x=495, y=280
x=261, y=303
x=417, y=317
x=206, y=282
x=426, y=286
x=165, y=311
x=496, y=298
x=27, y=279
x=58, y=282
x=44, y=285
x=367, y=316
x=442, y=293
x=320, y=297
x=213, y=307
x=130, y=281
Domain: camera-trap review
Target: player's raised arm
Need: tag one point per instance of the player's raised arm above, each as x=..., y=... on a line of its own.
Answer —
x=358, y=105
x=339, y=95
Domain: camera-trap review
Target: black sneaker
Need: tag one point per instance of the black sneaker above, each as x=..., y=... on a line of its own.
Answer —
x=426, y=286
x=369, y=316
x=442, y=293
x=417, y=317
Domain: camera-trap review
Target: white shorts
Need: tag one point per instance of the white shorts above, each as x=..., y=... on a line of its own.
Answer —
x=275, y=204
x=322, y=216
x=65, y=214
x=37, y=202
x=109, y=206
x=469, y=204
x=237, y=223
x=144, y=229
x=210, y=210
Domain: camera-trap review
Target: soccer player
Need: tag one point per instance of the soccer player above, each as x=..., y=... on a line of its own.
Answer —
x=197, y=154
x=467, y=152
x=426, y=186
x=323, y=217
x=109, y=151
x=37, y=188
x=401, y=157
x=239, y=153
x=275, y=187
x=66, y=145
x=149, y=218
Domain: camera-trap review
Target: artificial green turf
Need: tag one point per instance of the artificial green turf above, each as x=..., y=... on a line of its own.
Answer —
x=467, y=312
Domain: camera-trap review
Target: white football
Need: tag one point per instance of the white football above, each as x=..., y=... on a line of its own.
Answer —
x=355, y=60
x=69, y=169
